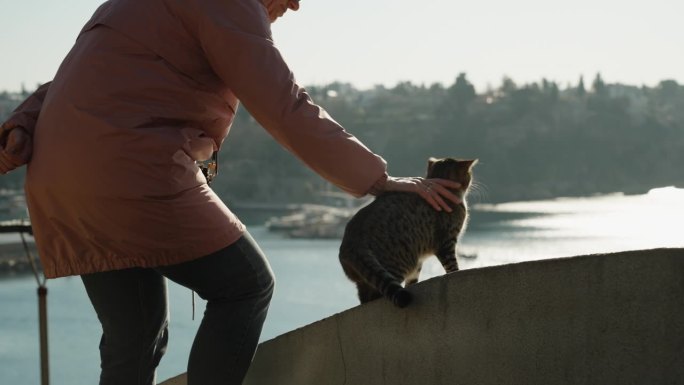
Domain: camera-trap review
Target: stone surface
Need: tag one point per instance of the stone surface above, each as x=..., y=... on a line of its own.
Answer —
x=600, y=319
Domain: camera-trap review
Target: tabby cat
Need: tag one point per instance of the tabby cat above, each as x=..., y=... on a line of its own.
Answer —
x=386, y=242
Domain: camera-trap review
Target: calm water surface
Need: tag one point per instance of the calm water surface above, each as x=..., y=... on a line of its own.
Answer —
x=311, y=285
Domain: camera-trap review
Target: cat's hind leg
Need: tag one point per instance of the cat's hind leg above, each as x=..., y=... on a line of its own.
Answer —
x=367, y=293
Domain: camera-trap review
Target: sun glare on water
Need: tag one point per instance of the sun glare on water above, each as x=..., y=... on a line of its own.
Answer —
x=652, y=220
x=567, y=227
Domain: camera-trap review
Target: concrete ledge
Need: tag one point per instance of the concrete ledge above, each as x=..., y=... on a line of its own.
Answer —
x=600, y=319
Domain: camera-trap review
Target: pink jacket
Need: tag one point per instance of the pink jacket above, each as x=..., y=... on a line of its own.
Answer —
x=149, y=87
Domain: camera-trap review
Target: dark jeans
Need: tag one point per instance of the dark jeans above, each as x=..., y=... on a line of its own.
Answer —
x=237, y=283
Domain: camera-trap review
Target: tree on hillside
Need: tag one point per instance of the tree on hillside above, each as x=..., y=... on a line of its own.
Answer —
x=581, y=90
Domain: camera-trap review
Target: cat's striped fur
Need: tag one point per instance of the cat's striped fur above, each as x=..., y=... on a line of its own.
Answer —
x=386, y=242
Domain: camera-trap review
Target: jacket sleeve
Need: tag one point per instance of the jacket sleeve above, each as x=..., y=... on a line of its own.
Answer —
x=26, y=115
x=237, y=43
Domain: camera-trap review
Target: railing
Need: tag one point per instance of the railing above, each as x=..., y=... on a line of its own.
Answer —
x=24, y=227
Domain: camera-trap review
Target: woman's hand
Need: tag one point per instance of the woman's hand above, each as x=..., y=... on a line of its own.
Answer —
x=433, y=190
x=17, y=147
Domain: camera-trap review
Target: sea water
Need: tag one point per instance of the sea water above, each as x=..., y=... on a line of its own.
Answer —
x=311, y=285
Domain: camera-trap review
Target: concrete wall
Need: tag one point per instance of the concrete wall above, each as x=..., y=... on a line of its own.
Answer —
x=601, y=319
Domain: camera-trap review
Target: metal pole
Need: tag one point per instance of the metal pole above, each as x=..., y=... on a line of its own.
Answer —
x=42, y=313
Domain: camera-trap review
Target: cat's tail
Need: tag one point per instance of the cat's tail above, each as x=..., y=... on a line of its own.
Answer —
x=399, y=296
x=377, y=277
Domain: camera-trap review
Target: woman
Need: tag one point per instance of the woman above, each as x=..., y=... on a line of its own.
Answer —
x=114, y=193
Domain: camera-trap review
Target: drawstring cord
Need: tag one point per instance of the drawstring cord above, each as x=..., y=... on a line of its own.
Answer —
x=193, y=305
x=210, y=170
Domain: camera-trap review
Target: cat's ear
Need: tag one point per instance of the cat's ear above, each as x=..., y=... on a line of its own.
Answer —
x=470, y=163
x=431, y=162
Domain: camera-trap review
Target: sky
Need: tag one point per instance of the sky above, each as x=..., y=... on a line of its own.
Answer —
x=383, y=42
